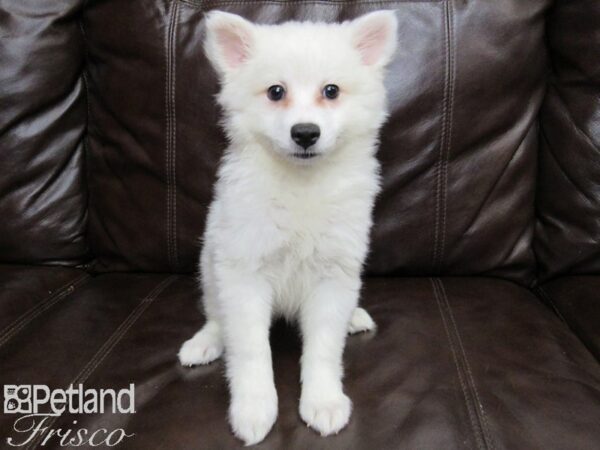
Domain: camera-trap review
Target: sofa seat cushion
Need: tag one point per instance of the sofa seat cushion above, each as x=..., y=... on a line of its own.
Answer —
x=28, y=291
x=577, y=300
x=454, y=363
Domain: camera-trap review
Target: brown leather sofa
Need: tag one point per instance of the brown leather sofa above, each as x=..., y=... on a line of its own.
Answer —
x=484, y=274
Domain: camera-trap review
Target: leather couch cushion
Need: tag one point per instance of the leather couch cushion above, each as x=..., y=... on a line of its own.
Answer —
x=28, y=292
x=42, y=123
x=455, y=363
x=577, y=300
x=568, y=198
x=458, y=153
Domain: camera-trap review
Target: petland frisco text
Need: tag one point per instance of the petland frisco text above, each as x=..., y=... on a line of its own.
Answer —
x=40, y=408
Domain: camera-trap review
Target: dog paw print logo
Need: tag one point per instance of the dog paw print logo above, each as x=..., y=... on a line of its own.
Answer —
x=17, y=399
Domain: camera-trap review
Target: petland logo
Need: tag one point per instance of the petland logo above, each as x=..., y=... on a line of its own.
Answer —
x=41, y=407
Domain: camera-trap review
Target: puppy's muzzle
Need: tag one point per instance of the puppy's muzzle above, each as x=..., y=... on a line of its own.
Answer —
x=305, y=134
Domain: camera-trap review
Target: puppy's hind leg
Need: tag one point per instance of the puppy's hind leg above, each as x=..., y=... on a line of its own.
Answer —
x=204, y=347
x=207, y=344
x=360, y=321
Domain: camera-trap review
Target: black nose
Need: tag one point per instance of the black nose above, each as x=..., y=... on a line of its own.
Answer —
x=305, y=134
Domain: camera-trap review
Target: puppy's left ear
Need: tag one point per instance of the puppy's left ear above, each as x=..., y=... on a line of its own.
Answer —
x=374, y=36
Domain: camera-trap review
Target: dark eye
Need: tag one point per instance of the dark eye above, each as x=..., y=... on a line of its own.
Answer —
x=276, y=92
x=331, y=91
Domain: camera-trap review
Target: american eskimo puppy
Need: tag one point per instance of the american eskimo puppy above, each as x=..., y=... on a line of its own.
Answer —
x=288, y=230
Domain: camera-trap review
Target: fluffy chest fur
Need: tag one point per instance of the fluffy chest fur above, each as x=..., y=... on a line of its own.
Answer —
x=294, y=226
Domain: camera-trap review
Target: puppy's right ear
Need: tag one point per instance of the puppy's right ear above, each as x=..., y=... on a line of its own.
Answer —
x=229, y=40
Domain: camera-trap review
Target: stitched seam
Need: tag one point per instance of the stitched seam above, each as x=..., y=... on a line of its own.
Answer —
x=27, y=317
x=461, y=377
x=110, y=344
x=438, y=163
x=449, y=117
x=471, y=380
x=211, y=4
x=122, y=330
x=174, y=150
x=441, y=167
x=167, y=131
x=171, y=136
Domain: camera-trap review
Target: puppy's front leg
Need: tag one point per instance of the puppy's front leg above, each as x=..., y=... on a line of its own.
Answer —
x=324, y=323
x=246, y=302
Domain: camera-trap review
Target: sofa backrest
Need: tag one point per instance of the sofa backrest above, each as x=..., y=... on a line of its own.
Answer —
x=568, y=198
x=42, y=124
x=458, y=153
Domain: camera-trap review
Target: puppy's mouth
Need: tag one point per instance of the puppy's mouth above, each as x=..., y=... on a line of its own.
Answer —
x=304, y=155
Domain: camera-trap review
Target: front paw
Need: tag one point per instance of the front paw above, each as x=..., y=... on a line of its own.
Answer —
x=252, y=416
x=327, y=414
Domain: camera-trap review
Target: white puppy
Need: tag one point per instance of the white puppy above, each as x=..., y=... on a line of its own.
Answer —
x=288, y=230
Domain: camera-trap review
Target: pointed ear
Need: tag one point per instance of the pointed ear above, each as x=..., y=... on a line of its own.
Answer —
x=374, y=36
x=229, y=40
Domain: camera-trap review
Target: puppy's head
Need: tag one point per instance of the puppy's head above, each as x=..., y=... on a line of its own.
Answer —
x=301, y=90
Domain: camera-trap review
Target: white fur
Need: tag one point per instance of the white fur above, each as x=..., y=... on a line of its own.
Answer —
x=288, y=237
